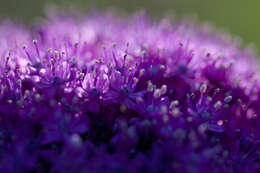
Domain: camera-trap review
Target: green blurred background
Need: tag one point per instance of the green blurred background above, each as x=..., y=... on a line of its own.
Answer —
x=239, y=17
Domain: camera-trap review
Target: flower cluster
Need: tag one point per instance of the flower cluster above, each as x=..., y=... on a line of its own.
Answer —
x=104, y=94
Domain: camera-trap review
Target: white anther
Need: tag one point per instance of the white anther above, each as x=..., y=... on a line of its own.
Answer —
x=162, y=67
x=139, y=99
x=150, y=86
x=174, y=103
x=228, y=99
x=157, y=93
x=37, y=97
x=217, y=105
x=141, y=72
x=164, y=109
x=203, y=88
x=163, y=89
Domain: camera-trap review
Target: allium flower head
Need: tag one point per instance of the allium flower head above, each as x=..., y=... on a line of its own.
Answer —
x=104, y=94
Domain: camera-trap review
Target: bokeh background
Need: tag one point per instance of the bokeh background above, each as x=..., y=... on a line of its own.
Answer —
x=239, y=17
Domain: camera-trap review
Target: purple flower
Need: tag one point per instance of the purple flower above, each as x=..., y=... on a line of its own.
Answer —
x=106, y=94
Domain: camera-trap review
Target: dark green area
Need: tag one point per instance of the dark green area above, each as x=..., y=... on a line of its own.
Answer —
x=239, y=17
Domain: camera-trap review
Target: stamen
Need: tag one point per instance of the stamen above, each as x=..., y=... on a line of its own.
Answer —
x=141, y=72
x=150, y=86
x=37, y=97
x=162, y=67
x=163, y=89
x=174, y=104
x=227, y=99
x=36, y=47
x=217, y=105
x=157, y=93
x=27, y=53
x=175, y=112
x=203, y=88
x=164, y=109
x=139, y=100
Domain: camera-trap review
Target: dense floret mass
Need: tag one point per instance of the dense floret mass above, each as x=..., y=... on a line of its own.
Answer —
x=104, y=94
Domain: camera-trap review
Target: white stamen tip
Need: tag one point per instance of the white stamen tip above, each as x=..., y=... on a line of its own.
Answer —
x=157, y=93
x=174, y=103
x=37, y=97
x=163, y=89
x=150, y=86
x=203, y=88
x=141, y=72
x=228, y=99
x=139, y=100
x=217, y=105
x=162, y=67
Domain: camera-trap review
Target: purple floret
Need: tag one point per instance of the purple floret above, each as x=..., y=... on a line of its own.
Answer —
x=106, y=94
